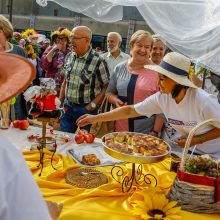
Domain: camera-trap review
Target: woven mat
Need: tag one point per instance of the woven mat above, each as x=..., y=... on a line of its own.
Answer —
x=86, y=178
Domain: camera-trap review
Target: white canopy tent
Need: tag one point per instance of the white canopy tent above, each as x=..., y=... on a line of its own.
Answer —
x=191, y=27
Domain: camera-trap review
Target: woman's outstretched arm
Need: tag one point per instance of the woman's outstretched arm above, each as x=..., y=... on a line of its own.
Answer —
x=116, y=114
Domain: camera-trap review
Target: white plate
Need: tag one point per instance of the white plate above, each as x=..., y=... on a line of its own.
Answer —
x=78, y=151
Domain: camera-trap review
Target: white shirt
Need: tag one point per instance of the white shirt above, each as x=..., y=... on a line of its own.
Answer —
x=197, y=106
x=20, y=197
x=112, y=62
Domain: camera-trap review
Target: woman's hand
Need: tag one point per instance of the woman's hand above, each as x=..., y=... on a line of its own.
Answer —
x=182, y=141
x=86, y=119
x=118, y=103
x=112, y=98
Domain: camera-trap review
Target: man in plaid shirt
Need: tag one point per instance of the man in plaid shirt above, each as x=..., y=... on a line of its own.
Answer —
x=86, y=80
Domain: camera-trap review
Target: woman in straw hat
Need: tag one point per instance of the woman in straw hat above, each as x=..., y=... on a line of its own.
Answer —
x=183, y=104
x=20, y=197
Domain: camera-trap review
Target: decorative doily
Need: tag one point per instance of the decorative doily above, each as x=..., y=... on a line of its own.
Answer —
x=86, y=178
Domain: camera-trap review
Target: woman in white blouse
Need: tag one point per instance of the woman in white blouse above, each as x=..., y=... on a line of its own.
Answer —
x=183, y=104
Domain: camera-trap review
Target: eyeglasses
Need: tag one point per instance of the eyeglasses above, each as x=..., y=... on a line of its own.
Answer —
x=76, y=38
x=61, y=39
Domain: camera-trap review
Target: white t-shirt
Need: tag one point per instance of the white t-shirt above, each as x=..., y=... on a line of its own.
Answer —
x=20, y=197
x=197, y=106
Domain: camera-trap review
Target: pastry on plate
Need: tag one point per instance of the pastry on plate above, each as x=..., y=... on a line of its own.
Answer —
x=90, y=159
x=109, y=138
x=120, y=137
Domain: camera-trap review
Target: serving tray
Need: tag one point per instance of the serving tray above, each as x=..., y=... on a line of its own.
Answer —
x=135, y=157
x=78, y=151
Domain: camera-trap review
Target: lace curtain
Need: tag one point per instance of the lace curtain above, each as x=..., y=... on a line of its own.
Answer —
x=191, y=27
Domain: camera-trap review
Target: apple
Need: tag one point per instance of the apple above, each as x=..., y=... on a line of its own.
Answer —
x=82, y=132
x=54, y=145
x=79, y=139
x=24, y=124
x=38, y=139
x=66, y=140
x=16, y=123
x=89, y=138
x=31, y=137
x=51, y=130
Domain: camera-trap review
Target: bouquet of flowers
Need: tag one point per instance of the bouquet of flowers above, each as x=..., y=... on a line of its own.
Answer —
x=28, y=41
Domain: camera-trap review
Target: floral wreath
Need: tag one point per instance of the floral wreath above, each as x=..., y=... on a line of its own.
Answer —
x=64, y=32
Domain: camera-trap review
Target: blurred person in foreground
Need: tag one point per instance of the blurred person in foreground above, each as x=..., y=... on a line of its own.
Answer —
x=20, y=197
x=18, y=110
x=183, y=104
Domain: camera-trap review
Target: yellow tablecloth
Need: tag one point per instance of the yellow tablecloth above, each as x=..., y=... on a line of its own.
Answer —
x=106, y=202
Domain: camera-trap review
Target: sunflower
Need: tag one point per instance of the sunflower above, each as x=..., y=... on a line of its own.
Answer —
x=27, y=33
x=191, y=70
x=155, y=206
x=33, y=56
x=30, y=50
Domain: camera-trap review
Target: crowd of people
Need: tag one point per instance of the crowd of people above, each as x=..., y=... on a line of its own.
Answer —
x=152, y=93
x=84, y=76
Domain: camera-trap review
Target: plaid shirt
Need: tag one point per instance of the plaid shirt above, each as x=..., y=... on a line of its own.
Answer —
x=85, y=77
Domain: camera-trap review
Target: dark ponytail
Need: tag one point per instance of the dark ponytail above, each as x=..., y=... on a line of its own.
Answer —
x=176, y=91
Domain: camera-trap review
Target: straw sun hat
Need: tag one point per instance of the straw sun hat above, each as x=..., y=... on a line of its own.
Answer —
x=16, y=74
x=176, y=67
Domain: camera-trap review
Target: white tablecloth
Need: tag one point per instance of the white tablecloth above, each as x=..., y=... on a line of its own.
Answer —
x=19, y=138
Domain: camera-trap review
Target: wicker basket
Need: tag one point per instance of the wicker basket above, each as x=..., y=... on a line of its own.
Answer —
x=193, y=192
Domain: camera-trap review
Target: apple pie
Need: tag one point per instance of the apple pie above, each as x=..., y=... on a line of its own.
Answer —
x=90, y=159
x=136, y=144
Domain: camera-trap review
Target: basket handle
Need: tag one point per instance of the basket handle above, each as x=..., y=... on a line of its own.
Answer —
x=190, y=136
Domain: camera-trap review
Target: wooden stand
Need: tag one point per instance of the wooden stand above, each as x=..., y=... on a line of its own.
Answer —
x=44, y=127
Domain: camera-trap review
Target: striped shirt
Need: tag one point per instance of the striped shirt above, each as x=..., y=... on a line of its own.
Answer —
x=85, y=77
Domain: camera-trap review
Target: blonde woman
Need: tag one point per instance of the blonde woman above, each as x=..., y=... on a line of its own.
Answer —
x=131, y=83
x=19, y=111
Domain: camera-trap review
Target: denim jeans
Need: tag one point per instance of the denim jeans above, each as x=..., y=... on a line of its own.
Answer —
x=73, y=112
x=20, y=108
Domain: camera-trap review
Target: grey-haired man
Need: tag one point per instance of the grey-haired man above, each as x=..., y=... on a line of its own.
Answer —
x=114, y=55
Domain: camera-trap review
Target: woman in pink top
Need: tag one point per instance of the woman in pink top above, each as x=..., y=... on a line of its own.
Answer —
x=132, y=83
